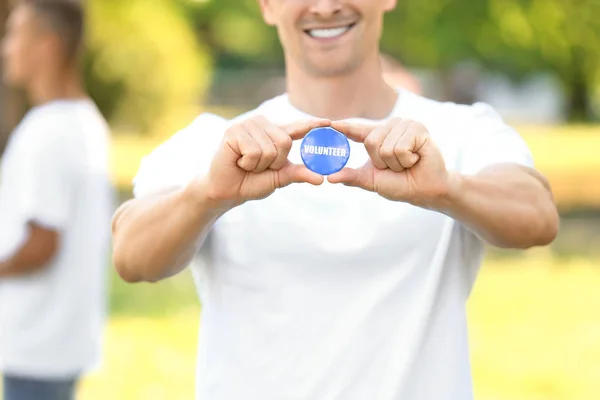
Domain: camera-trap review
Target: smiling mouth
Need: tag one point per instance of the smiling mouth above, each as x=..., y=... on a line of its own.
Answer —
x=329, y=33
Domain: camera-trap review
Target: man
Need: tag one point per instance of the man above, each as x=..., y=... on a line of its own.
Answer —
x=349, y=288
x=55, y=210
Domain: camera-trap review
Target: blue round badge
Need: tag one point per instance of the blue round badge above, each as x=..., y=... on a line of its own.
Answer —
x=325, y=151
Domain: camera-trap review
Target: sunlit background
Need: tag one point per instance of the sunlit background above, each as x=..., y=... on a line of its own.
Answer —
x=152, y=65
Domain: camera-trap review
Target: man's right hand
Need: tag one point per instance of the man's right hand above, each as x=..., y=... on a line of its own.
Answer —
x=253, y=161
x=157, y=237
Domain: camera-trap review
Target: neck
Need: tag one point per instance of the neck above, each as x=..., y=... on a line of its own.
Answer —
x=54, y=85
x=362, y=93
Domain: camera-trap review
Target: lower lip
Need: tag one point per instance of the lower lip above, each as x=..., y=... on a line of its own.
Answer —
x=333, y=38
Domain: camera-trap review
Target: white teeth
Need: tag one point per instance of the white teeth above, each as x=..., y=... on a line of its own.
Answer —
x=328, y=33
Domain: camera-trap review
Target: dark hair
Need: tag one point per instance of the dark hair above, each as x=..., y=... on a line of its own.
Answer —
x=65, y=18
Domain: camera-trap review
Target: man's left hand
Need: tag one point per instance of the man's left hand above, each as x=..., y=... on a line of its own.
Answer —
x=404, y=165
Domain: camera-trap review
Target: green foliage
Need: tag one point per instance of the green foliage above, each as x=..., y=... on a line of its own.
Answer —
x=145, y=67
x=517, y=37
x=235, y=31
x=150, y=60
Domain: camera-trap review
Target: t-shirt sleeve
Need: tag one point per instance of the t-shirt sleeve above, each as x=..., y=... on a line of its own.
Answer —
x=186, y=155
x=46, y=180
x=490, y=141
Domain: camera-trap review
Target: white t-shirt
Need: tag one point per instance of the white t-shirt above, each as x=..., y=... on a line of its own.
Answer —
x=55, y=172
x=331, y=292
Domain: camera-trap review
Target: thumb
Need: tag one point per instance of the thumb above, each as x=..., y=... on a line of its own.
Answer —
x=355, y=132
x=293, y=173
x=298, y=130
x=353, y=177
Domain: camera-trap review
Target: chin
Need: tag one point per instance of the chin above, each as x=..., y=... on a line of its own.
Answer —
x=331, y=68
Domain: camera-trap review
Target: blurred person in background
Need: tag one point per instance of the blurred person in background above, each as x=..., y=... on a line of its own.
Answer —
x=349, y=288
x=56, y=202
x=397, y=76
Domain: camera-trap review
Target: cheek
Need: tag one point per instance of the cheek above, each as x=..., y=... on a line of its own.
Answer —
x=21, y=54
x=11, y=47
x=19, y=61
x=287, y=22
x=289, y=35
x=374, y=25
x=11, y=56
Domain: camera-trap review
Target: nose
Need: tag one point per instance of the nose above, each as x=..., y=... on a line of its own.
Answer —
x=325, y=8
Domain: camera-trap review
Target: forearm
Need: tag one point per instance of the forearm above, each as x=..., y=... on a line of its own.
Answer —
x=15, y=267
x=34, y=254
x=507, y=207
x=18, y=266
x=156, y=238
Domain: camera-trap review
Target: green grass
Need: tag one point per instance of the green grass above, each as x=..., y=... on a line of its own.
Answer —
x=535, y=331
x=152, y=299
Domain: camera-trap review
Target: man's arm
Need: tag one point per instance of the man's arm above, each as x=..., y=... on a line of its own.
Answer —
x=40, y=247
x=157, y=237
x=508, y=205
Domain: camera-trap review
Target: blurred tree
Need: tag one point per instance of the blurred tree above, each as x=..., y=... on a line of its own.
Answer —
x=12, y=104
x=235, y=32
x=517, y=37
x=145, y=68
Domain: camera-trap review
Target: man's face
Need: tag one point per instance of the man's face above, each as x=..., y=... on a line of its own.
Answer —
x=20, y=47
x=328, y=37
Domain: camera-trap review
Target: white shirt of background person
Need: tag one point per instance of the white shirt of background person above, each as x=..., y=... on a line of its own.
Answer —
x=55, y=174
x=56, y=201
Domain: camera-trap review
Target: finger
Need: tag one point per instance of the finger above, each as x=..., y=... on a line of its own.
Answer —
x=408, y=147
x=373, y=144
x=387, y=150
x=294, y=173
x=299, y=129
x=283, y=145
x=268, y=150
x=360, y=178
x=248, y=150
x=355, y=132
